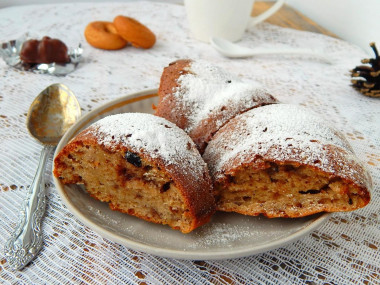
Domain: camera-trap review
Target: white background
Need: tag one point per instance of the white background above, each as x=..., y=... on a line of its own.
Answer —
x=355, y=21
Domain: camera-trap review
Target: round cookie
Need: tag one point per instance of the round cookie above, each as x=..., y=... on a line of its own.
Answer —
x=103, y=35
x=134, y=32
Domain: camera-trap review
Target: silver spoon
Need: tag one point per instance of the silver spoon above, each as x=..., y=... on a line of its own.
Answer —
x=230, y=49
x=51, y=114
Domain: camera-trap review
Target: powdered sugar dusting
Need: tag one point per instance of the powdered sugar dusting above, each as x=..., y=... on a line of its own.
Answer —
x=281, y=132
x=152, y=135
x=223, y=234
x=206, y=89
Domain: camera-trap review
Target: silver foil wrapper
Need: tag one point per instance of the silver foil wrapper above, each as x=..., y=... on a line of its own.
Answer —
x=10, y=52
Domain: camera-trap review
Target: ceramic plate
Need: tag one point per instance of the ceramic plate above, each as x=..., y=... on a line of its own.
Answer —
x=228, y=235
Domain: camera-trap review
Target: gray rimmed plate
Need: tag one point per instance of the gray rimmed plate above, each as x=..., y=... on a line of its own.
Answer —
x=228, y=235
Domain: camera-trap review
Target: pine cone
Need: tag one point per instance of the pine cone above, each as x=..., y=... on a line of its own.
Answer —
x=369, y=82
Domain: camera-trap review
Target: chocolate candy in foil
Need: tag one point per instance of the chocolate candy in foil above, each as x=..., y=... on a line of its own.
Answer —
x=10, y=52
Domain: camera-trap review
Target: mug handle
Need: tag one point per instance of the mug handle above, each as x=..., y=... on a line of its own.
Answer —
x=263, y=16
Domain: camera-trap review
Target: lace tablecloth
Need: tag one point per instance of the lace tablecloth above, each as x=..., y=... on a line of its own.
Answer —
x=344, y=250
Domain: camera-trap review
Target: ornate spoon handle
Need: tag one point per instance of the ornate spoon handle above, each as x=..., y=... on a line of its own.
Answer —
x=26, y=240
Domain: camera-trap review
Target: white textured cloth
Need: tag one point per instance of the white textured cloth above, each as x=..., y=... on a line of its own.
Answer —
x=345, y=250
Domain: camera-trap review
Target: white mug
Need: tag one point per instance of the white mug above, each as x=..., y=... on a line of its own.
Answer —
x=226, y=19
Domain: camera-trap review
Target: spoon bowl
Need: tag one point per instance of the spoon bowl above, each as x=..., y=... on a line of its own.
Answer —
x=50, y=115
x=232, y=50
